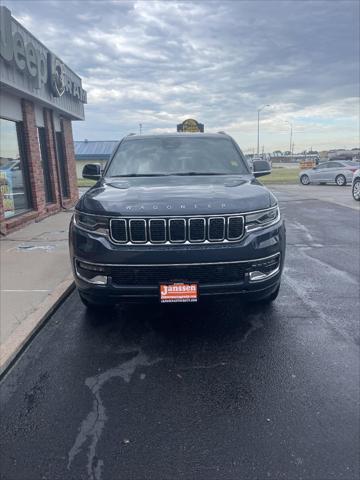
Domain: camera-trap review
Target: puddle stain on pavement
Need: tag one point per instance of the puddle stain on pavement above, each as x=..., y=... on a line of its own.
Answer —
x=30, y=248
x=91, y=428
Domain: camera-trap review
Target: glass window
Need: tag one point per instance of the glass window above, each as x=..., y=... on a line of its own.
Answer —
x=13, y=177
x=177, y=156
x=62, y=164
x=45, y=165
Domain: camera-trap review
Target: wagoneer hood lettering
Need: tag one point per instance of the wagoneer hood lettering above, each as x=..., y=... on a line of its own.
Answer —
x=177, y=195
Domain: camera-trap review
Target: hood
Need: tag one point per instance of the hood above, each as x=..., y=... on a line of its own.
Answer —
x=190, y=195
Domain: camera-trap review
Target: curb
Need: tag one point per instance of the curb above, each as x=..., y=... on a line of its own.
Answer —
x=22, y=335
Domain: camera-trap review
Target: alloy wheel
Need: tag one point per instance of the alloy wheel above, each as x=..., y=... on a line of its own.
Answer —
x=356, y=190
x=340, y=180
x=305, y=180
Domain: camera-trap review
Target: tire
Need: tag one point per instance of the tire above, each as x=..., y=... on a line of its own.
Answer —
x=305, y=180
x=356, y=190
x=94, y=306
x=340, y=180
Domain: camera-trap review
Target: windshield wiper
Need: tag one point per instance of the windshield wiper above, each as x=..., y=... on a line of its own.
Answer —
x=140, y=175
x=183, y=174
x=199, y=173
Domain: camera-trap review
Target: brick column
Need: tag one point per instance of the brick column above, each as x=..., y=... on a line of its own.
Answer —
x=70, y=160
x=50, y=147
x=33, y=157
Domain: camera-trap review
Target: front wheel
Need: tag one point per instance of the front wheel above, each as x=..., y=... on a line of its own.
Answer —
x=305, y=180
x=356, y=190
x=340, y=180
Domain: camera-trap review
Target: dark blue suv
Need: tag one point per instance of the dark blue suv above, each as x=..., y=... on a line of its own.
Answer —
x=177, y=218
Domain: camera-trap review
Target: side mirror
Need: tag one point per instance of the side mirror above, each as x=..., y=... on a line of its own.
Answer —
x=92, y=171
x=261, y=167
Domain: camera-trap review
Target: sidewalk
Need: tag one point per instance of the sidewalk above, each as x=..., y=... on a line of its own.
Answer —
x=35, y=274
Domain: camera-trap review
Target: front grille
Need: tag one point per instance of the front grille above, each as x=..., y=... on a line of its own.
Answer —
x=153, y=275
x=177, y=230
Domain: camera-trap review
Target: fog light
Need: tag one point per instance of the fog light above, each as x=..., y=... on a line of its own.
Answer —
x=256, y=275
x=98, y=280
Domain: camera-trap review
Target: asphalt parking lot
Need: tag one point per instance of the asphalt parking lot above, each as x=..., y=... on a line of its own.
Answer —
x=212, y=391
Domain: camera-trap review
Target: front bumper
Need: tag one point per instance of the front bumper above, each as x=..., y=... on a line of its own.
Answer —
x=133, y=273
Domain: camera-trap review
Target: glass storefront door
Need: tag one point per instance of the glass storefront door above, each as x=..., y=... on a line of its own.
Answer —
x=13, y=175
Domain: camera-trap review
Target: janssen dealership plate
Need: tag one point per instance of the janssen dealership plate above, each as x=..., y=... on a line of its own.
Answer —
x=179, y=292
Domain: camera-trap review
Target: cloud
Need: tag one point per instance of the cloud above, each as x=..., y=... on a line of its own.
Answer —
x=158, y=62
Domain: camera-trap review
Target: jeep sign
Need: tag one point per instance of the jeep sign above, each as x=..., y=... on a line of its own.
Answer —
x=32, y=60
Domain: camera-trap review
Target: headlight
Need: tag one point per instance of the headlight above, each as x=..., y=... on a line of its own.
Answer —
x=92, y=223
x=262, y=219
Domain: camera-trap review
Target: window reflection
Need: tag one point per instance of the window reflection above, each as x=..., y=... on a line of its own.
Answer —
x=12, y=174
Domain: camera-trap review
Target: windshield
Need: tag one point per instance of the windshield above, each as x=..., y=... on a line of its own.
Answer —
x=177, y=156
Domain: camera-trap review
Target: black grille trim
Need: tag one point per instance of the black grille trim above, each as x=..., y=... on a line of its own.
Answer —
x=202, y=274
x=118, y=226
x=241, y=222
x=172, y=222
x=214, y=224
x=192, y=228
x=154, y=223
x=137, y=221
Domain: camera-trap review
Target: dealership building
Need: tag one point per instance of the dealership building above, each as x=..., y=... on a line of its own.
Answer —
x=39, y=98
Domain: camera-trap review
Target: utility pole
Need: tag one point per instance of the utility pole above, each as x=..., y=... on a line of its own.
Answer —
x=258, y=126
x=291, y=148
x=140, y=128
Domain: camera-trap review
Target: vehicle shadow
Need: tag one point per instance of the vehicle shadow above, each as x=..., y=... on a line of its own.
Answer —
x=164, y=329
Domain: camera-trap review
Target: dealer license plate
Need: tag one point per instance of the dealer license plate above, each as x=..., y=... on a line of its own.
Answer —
x=178, y=292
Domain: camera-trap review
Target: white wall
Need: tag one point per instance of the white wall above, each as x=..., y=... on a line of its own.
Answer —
x=10, y=106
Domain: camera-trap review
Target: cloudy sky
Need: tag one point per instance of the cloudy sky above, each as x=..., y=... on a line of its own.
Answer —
x=158, y=63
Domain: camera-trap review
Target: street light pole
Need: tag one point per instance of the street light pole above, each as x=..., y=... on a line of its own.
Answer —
x=291, y=136
x=258, y=127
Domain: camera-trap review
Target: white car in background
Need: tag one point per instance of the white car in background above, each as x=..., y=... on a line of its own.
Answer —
x=356, y=185
x=339, y=172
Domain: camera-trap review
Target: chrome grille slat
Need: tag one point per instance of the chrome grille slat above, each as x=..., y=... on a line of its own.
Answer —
x=216, y=229
x=177, y=230
x=235, y=228
x=137, y=229
x=157, y=230
x=197, y=230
